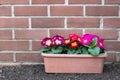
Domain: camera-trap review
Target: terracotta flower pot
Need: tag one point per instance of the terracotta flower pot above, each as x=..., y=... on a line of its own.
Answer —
x=72, y=63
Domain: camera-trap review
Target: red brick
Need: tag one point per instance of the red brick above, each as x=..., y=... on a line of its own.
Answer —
x=14, y=45
x=66, y=11
x=6, y=57
x=84, y=1
x=5, y=34
x=30, y=34
x=13, y=22
x=29, y=57
x=102, y=11
x=105, y=34
x=31, y=11
x=14, y=1
x=48, y=1
x=65, y=32
x=112, y=23
x=112, y=45
x=5, y=11
x=47, y=23
x=111, y=57
x=83, y=22
x=36, y=45
x=112, y=1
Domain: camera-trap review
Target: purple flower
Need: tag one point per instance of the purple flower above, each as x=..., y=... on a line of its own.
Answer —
x=58, y=40
x=87, y=39
x=46, y=42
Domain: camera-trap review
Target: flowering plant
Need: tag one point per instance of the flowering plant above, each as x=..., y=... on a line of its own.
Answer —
x=87, y=44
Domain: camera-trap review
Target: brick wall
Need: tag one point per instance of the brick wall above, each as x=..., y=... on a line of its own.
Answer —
x=23, y=23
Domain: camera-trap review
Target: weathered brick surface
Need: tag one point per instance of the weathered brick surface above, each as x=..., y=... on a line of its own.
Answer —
x=112, y=1
x=111, y=57
x=112, y=45
x=36, y=45
x=5, y=11
x=5, y=34
x=83, y=22
x=48, y=1
x=65, y=32
x=30, y=10
x=30, y=34
x=102, y=11
x=66, y=10
x=84, y=1
x=105, y=34
x=14, y=45
x=47, y=23
x=112, y=23
x=14, y=1
x=6, y=57
x=29, y=57
x=13, y=22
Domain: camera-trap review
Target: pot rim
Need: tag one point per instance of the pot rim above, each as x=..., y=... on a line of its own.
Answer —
x=73, y=55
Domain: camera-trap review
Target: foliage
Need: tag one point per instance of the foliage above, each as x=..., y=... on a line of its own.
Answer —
x=87, y=44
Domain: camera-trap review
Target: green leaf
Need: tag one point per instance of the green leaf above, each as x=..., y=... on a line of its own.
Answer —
x=71, y=51
x=94, y=51
x=85, y=50
x=57, y=50
x=49, y=52
x=94, y=43
x=78, y=51
x=45, y=49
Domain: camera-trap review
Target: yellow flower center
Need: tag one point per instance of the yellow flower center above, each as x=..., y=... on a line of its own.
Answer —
x=85, y=41
x=58, y=42
x=48, y=42
x=67, y=41
x=101, y=44
x=79, y=39
x=74, y=43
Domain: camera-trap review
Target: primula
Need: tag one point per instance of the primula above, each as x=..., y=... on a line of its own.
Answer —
x=87, y=39
x=46, y=42
x=75, y=44
x=74, y=37
x=58, y=40
x=100, y=44
x=67, y=41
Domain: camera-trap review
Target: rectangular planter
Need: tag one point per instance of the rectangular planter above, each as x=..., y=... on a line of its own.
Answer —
x=73, y=63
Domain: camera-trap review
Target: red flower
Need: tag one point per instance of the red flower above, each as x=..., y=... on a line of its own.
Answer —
x=74, y=44
x=67, y=41
x=74, y=37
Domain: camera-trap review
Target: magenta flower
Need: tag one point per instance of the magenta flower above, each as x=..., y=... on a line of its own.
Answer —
x=87, y=39
x=58, y=40
x=46, y=42
x=100, y=43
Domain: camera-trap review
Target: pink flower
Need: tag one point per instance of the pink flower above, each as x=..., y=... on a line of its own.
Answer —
x=58, y=40
x=87, y=39
x=46, y=42
x=101, y=44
